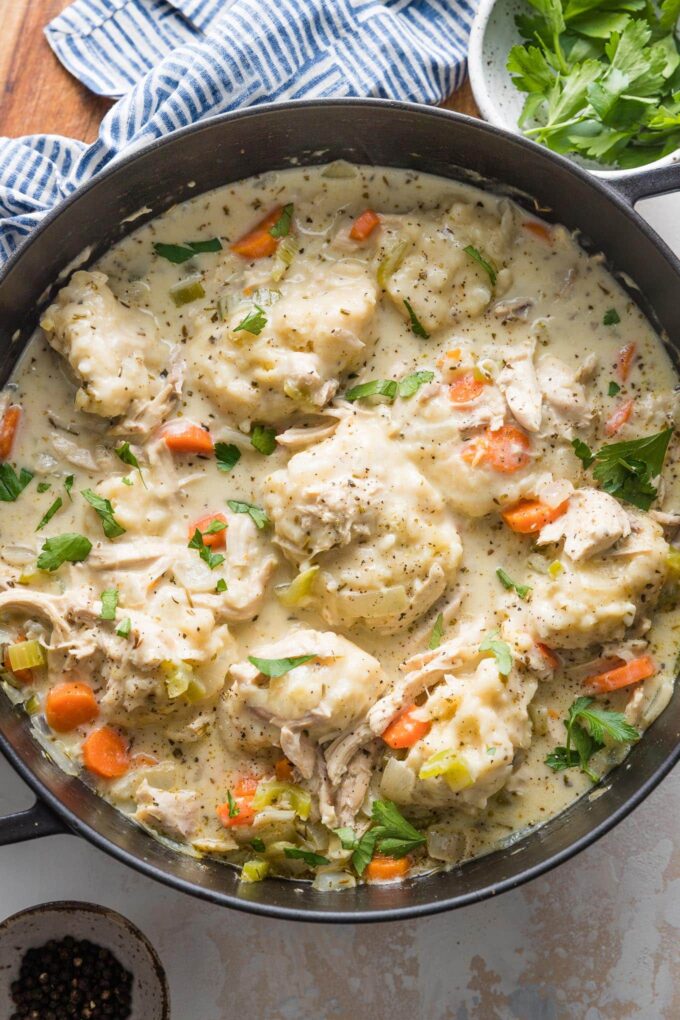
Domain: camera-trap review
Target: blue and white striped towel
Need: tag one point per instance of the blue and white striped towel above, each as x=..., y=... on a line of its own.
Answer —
x=174, y=62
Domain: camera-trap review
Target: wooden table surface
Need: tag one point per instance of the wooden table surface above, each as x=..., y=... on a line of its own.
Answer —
x=36, y=93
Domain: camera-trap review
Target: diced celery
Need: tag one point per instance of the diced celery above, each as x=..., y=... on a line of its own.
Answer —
x=32, y=704
x=271, y=791
x=285, y=253
x=195, y=691
x=555, y=569
x=254, y=870
x=539, y=719
x=391, y=262
x=25, y=655
x=266, y=297
x=449, y=765
x=178, y=677
x=187, y=291
x=30, y=577
x=673, y=564
x=298, y=592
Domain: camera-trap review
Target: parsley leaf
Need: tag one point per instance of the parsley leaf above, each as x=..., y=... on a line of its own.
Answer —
x=11, y=483
x=49, y=514
x=277, y=667
x=227, y=456
x=391, y=388
x=501, y=652
x=123, y=629
x=416, y=326
x=437, y=632
x=205, y=552
x=221, y=586
x=583, y=452
x=257, y=514
x=282, y=226
x=307, y=856
x=348, y=838
x=234, y=809
x=124, y=453
x=67, y=548
x=44, y=487
x=613, y=389
x=68, y=485
x=104, y=510
x=488, y=268
x=390, y=833
x=611, y=318
x=410, y=384
x=254, y=322
x=263, y=439
x=179, y=253
x=588, y=725
x=628, y=470
x=507, y=582
x=258, y=845
x=109, y=599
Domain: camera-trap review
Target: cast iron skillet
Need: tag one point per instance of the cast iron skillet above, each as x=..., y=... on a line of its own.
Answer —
x=378, y=132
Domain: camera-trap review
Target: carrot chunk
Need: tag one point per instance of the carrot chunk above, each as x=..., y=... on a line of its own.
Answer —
x=385, y=869
x=8, y=430
x=105, y=753
x=506, y=449
x=246, y=785
x=623, y=676
x=619, y=417
x=465, y=388
x=186, y=437
x=70, y=704
x=405, y=731
x=239, y=812
x=364, y=225
x=548, y=655
x=284, y=771
x=215, y=539
x=258, y=243
x=531, y=515
x=624, y=361
x=539, y=230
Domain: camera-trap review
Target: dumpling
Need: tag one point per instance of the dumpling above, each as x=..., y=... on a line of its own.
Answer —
x=115, y=351
x=354, y=506
x=316, y=331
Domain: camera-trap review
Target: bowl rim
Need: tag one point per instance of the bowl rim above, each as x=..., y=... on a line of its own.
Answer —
x=176, y=881
x=485, y=98
x=111, y=915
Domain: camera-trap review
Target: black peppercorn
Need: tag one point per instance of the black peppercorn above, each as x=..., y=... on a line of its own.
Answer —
x=71, y=980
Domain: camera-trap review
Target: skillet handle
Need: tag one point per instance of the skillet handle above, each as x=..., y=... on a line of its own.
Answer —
x=646, y=184
x=36, y=821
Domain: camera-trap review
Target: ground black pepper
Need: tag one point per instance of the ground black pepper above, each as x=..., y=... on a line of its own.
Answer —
x=71, y=979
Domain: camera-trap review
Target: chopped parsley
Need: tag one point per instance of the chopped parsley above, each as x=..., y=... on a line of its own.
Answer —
x=204, y=551
x=501, y=652
x=437, y=633
x=179, y=253
x=104, y=510
x=583, y=452
x=49, y=514
x=124, y=453
x=258, y=845
x=282, y=226
x=488, y=268
x=234, y=809
x=109, y=599
x=254, y=322
x=256, y=513
x=221, y=586
x=67, y=548
x=44, y=487
x=390, y=834
x=123, y=629
x=521, y=589
x=307, y=856
x=278, y=667
x=11, y=483
x=263, y=439
x=391, y=388
x=417, y=327
x=227, y=456
x=68, y=485
x=611, y=318
x=613, y=389
x=630, y=470
x=587, y=726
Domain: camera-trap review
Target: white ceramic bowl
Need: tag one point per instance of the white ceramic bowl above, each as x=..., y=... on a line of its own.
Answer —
x=493, y=35
x=37, y=925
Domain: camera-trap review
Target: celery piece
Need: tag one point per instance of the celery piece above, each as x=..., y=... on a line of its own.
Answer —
x=271, y=791
x=285, y=253
x=32, y=704
x=673, y=564
x=178, y=677
x=299, y=591
x=187, y=291
x=25, y=655
x=449, y=765
x=391, y=262
x=254, y=870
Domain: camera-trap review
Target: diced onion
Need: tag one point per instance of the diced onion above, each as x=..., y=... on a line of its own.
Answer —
x=397, y=781
x=285, y=253
x=333, y=881
x=339, y=170
x=25, y=655
x=254, y=870
x=391, y=262
x=186, y=291
x=299, y=591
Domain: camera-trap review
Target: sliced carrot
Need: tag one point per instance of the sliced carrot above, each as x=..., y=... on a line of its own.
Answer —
x=141, y=760
x=214, y=540
x=284, y=771
x=405, y=731
x=619, y=417
x=186, y=437
x=465, y=388
x=385, y=869
x=531, y=515
x=506, y=449
x=70, y=704
x=246, y=785
x=623, y=676
x=624, y=361
x=243, y=806
x=364, y=225
x=24, y=676
x=548, y=654
x=8, y=430
x=258, y=243
x=539, y=230
x=105, y=753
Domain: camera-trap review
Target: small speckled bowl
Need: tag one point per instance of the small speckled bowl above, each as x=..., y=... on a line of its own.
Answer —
x=37, y=925
x=493, y=35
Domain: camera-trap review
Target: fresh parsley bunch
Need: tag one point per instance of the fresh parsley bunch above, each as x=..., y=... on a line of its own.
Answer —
x=602, y=78
x=588, y=725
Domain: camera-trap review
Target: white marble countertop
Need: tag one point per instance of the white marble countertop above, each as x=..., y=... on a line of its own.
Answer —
x=596, y=939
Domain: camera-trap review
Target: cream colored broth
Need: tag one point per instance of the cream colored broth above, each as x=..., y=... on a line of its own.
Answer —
x=566, y=297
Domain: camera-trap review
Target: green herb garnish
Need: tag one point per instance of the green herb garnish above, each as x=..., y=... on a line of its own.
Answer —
x=256, y=513
x=613, y=389
x=307, y=856
x=68, y=485
x=124, y=453
x=583, y=452
x=179, y=253
x=221, y=586
x=629, y=470
x=254, y=322
x=507, y=582
x=204, y=551
x=234, y=809
x=391, y=388
x=258, y=845
x=44, y=487
x=49, y=514
x=278, y=667
x=227, y=456
x=67, y=548
x=109, y=599
x=123, y=629
x=587, y=725
x=104, y=510
x=282, y=226
x=416, y=326
x=437, y=633
x=501, y=652
x=611, y=317
x=11, y=483
x=263, y=439
x=488, y=268
x=390, y=834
